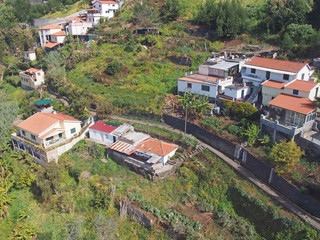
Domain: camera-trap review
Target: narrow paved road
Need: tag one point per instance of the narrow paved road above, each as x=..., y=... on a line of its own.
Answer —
x=283, y=200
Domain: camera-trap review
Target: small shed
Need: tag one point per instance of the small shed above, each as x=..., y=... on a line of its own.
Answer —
x=44, y=105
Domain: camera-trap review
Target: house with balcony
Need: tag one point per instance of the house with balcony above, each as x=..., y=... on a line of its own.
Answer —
x=289, y=114
x=77, y=26
x=31, y=78
x=305, y=89
x=101, y=9
x=46, y=136
x=259, y=69
x=46, y=32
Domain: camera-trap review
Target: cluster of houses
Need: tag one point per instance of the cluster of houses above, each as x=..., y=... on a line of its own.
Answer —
x=47, y=134
x=285, y=90
x=51, y=36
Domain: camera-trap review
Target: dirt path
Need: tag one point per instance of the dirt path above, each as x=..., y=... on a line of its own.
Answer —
x=283, y=200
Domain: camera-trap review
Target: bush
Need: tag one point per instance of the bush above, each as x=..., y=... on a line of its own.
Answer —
x=211, y=123
x=240, y=110
x=233, y=129
x=113, y=68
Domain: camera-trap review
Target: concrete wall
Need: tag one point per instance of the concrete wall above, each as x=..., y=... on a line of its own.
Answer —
x=255, y=165
x=268, y=93
x=41, y=22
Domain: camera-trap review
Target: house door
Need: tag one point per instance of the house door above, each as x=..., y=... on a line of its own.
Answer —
x=267, y=75
x=114, y=139
x=242, y=94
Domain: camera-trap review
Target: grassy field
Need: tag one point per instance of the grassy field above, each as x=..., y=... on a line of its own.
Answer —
x=68, y=10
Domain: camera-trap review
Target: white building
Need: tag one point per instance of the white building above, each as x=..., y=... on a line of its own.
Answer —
x=213, y=87
x=29, y=56
x=258, y=70
x=305, y=89
x=31, y=78
x=107, y=133
x=58, y=37
x=77, y=26
x=100, y=9
x=46, y=129
x=46, y=31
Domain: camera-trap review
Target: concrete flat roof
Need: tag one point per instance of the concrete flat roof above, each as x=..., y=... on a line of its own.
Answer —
x=224, y=65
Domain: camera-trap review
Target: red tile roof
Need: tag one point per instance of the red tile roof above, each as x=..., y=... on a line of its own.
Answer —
x=107, y=2
x=276, y=64
x=156, y=146
x=61, y=33
x=103, y=127
x=50, y=44
x=274, y=84
x=39, y=122
x=293, y=103
x=305, y=86
x=51, y=27
x=31, y=70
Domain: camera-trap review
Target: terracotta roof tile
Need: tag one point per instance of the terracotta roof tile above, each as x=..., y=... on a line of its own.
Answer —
x=274, y=84
x=61, y=33
x=156, y=146
x=39, y=122
x=51, y=27
x=276, y=64
x=30, y=70
x=107, y=2
x=305, y=86
x=50, y=44
x=293, y=103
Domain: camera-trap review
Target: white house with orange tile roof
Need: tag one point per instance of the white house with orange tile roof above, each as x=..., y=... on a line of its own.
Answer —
x=46, y=32
x=46, y=129
x=259, y=69
x=106, y=8
x=31, y=78
x=305, y=89
x=77, y=26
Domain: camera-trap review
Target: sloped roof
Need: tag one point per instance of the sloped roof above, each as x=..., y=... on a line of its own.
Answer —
x=305, y=86
x=39, y=122
x=61, y=33
x=274, y=84
x=293, y=103
x=50, y=44
x=51, y=27
x=107, y=2
x=155, y=146
x=282, y=65
x=103, y=127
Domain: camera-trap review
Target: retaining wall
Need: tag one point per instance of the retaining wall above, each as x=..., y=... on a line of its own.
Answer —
x=255, y=165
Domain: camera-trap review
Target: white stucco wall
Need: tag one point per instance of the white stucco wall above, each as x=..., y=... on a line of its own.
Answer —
x=44, y=34
x=106, y=10
x=196, y=88
x=236, y=93
x=101, y=136
x=68, y=125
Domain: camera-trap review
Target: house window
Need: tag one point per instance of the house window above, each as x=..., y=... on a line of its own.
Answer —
x=23, y=133
x=285, y=77
x=302, y=77
x=60, y=135
x=113, y=5
x=267, y=75
x=295, y=92
x=317, y=90
x=189, y=85
x=33, y=137
x=253, y=70
x=107, y=11
x=205, y=88
x=73, y=130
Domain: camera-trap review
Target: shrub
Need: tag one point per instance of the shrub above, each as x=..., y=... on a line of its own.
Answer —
x=113, y=68
x=211, y=123
x=240, y=110
x=233, y=129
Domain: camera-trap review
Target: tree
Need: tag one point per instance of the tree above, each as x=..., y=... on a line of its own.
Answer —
x=113, y=68
x=285, y=156
x=252, y=134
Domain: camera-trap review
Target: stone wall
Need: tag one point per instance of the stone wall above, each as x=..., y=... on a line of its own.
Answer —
x=135, y=213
